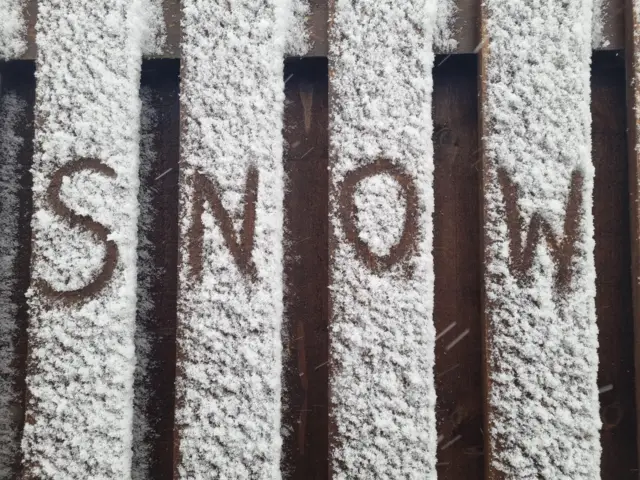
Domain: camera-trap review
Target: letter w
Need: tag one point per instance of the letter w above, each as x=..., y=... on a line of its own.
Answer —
x=521, y=257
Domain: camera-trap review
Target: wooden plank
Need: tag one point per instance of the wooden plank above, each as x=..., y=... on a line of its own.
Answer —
x=18, y=82
x=613, y=267
x=538, y=302
x=457, y=269
x=464, y=25
x=632, y=62
x=306, y=349
x=230, y=299
x=382, y=390
x=82, y=301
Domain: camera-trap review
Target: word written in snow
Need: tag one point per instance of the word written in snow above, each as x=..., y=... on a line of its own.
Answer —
x=84, y=222
x=521, y=257
x=205, y=190
x=348, y=212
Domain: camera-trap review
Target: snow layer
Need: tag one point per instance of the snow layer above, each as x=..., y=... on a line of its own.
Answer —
x=297, y=43
x=444, y=36
x=382, y=333
x=147, y=275
x=12, y=29
x=81, y=363
x=543, y=338
x=154, y=29
x=12, y=114
x=229, y=322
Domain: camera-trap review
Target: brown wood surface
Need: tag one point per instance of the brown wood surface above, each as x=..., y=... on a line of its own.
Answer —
x=613, y=267
x=632, y=48
x=306, y=352
x=464, y=25
x=161, y=77
x=18, y=79
x=457, y=268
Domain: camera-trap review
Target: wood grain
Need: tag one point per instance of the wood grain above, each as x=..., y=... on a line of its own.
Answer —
x=458, y=271
x=613, y=268
x=306, y=344
x=632, y=64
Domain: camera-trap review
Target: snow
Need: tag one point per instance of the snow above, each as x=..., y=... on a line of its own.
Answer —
x=81, y=362
x=229, y=318
x=297, y=41
x=381, y=206
x=444, y=35
x=12, y=114
x=12, y=29
x=543, y=336
x=151, y=19
x=148, y=272
x=597, y=25
x=382, y=333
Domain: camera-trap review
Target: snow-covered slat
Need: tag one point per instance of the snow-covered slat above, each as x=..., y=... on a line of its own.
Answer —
x=632, y=59
x=381, y=270
x=230, y=301
x=540, y=323
x=82, y=300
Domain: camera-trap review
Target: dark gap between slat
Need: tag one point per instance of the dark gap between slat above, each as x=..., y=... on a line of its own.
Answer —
x=160, y=78
x=305, y=336
x=613, y=266
x=18, y=78
x=458, y=268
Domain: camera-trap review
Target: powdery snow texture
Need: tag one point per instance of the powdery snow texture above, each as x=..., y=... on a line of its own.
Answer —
x=230, y=311
x=81, y=364
x=382, y=331
x=12, y=29
x=12, y=115
x=542, y=338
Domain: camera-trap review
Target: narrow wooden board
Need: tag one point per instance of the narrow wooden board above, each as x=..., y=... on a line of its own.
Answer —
x=306, y=344
x=465, y=27
x=632, y=61
x=613, y=267
x=457, y=267
x=18, y=79
x=514, y=287
x=158, y=276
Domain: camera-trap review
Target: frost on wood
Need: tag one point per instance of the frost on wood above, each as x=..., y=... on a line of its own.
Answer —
x=153, y=27
x=598, y=39
x=12, y=115
x=82, y=300
x=143, y=433
x=231, y=193
x=12, y=29
x=636, y=67
x=297, y=40
x=382, y=333
x=540, y=277
x=444, y=36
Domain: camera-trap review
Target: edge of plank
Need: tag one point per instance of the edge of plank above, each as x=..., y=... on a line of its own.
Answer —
x=632, y=48
x=465, y=26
